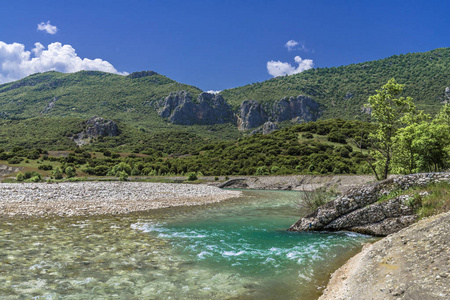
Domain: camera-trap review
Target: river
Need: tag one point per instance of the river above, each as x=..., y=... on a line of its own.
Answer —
x=237, y=249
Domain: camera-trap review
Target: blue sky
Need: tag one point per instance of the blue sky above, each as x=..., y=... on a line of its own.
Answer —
x=213, y=45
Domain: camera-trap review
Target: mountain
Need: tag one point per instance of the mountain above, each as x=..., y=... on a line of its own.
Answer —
x=343, y=91
x=55, y=111
x=102, y=110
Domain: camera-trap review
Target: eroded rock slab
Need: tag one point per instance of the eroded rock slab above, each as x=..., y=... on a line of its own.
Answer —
x=358, y=209
x=413, y=263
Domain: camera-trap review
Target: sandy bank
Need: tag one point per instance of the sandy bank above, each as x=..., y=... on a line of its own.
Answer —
x=95, y=198
x=413, y=263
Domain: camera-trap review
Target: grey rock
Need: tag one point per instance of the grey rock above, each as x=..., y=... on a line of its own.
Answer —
x=207, y=109
x=297, y=109
x=358, y=209
x=97, y=126
x=266, y=128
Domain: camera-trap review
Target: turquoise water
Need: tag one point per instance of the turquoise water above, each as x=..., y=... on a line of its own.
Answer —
x=237, y=249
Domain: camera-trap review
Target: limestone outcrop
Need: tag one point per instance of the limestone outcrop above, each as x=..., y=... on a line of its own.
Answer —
x=209, y=109
x=206, y=109
x=410, y=264
x=359, y=210
x=95, y=127
x=298, y=109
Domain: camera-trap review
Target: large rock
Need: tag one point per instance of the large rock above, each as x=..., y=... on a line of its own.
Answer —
x=359, y=210
x=97, y=126
x=297, y=109
x=410, y=264
x=206, y=109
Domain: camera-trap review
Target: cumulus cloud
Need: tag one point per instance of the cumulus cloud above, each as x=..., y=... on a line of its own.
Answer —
x=16, y=62
x=291, y=45
x=294, y=45
x=47, y=27
x=278, y=68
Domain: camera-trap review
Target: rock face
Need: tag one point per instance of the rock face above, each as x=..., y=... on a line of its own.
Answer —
x=266, y=128
x=6, y=170
x=358, y=210
x=298, y=109
x=410, y=264
x=96, y=127
x=207, y=109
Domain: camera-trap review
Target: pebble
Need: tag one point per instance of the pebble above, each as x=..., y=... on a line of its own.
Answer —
x=94, y=198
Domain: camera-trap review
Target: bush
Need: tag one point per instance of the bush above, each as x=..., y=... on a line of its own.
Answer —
x=19, y=176
x=45, y=167
x=70, y=172
x=192, y=176
x=15, y=160
x=123, y=176
x=310, y=201
x=307, y=135
x=57, y=173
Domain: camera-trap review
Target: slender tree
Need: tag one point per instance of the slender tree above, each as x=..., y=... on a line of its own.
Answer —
x=389, y=113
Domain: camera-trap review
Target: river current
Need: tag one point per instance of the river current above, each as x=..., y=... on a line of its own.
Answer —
x=237, y=249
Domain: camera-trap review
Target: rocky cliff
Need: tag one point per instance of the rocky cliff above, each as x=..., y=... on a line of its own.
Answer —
x=206, y=109
x=299, y=109
x=359, y=210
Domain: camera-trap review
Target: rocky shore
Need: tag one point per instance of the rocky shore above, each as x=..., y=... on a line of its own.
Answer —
x=361, y=210
x=95, y=198
x=339, y=183
x=413, y=263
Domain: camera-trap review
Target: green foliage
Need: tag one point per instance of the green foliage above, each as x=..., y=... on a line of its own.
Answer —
x=45, y=167
x=389, y=113
x=57, y=173
x=192, y=176
x=15, y=160
x=19, y=176
x=311, y=201
x=121, y=167
x=343, y=91
x=70, y=172
x=123, y=176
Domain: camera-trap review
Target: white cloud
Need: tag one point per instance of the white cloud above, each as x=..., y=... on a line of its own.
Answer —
x=278, y=68
x=50, y=29
x=294, y=45
x=291, y=45
x=213, y=92
x=16, y=62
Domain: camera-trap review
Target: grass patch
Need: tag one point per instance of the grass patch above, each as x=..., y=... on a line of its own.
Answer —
x=310, y=201
x=436, y=199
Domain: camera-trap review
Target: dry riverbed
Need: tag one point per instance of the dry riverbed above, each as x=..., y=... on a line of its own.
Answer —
x=96, y=198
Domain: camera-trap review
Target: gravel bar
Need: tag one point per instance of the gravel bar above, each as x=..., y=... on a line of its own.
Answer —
x=95, y=198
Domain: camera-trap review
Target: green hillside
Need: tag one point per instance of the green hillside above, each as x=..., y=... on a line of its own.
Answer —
x=342, y=91
x=46, y=110
x=29, y=119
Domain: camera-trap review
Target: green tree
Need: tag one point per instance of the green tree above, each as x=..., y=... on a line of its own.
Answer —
x=57, y=173
x=70, y=172
x=389, y=112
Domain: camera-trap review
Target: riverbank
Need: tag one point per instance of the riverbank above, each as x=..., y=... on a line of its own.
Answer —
x=338, y=183
x=413, y=263
x=95, y=198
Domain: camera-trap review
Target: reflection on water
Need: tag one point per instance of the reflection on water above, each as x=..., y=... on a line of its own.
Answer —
x=235, y=249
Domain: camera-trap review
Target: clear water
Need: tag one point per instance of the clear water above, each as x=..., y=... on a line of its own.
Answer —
x=237, y=249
